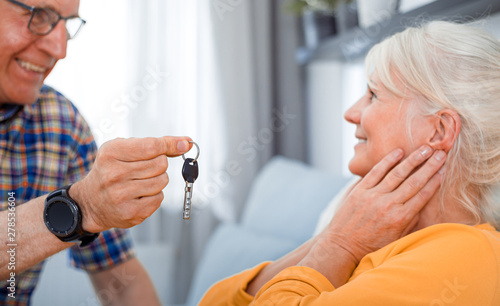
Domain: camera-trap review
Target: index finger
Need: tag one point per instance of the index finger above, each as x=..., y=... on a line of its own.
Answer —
x=403, y=170
x=418, y=180
x=379, y=171
x=137, y=149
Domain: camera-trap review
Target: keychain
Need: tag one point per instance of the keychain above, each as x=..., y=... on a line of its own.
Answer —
x=190, y=174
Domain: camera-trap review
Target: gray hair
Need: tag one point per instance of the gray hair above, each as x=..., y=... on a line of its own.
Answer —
x=453, y=66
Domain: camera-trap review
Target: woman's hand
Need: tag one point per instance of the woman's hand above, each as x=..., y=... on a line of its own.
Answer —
x=383, y=207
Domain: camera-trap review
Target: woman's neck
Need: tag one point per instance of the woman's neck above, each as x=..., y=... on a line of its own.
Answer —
x=450, y=211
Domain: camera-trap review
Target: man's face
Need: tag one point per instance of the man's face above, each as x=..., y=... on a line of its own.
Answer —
x=26, y=59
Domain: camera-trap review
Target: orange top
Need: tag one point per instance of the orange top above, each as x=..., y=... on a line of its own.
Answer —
x=444, y=264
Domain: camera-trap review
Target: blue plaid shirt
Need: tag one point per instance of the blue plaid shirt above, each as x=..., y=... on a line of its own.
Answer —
x=45, y=146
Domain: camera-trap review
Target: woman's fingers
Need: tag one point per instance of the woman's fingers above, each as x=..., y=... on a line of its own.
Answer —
x=379, y=171
x=429, y=177
x=401, y=172
x=413, y=178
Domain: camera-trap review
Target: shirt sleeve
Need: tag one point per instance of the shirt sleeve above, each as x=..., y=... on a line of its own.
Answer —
x=111, y=248
x=83, y=149
x=232, y=290
x=454, y=266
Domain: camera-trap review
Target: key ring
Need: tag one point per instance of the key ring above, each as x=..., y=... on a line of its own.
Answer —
x=197, y=154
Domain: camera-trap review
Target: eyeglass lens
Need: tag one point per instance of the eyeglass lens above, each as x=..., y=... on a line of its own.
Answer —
x=44, y=20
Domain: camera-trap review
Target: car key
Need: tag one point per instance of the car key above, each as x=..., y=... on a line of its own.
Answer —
x=190, y=174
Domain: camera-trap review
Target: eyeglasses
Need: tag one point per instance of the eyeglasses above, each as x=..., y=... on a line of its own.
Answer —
x=44, y=20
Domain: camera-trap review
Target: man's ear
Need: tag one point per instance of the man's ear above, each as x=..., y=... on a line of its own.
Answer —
x=447, y=125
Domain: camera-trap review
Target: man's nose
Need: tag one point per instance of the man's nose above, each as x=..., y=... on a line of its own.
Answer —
x=56, y=42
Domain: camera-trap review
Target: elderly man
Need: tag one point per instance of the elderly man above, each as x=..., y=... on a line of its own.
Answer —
x=69, y=191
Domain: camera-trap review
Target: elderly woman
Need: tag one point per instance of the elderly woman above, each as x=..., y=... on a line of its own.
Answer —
x=419, y=227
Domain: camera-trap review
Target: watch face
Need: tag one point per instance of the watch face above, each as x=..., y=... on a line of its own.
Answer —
x=60, y=217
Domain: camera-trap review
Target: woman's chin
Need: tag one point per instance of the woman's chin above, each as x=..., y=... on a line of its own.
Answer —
x=357, y=168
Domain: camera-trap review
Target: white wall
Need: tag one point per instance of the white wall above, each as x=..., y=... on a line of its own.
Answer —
x=324, y=94
x=333, y=86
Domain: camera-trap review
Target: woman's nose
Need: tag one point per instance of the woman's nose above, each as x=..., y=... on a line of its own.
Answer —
x=353, y=114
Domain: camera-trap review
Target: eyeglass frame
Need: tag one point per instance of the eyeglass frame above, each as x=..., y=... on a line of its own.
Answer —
x=34, y=9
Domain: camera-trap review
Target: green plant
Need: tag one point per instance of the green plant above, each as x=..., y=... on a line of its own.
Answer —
x=300, y=6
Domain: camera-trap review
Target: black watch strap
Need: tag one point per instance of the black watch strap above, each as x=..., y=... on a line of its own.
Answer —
x=85, y=237
x=78, y=234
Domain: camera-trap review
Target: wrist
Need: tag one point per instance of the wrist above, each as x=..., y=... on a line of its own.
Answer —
x=78, y=194
x=332, y=260
x=63, y=218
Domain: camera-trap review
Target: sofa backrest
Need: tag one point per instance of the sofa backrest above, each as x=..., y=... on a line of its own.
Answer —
x=280, y=214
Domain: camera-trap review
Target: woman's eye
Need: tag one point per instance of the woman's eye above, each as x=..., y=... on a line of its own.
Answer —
x=372, y=95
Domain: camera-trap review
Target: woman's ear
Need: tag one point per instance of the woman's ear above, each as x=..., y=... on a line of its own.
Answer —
x=447, y=125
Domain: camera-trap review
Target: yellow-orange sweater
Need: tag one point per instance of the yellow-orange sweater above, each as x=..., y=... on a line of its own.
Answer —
x=444, y=264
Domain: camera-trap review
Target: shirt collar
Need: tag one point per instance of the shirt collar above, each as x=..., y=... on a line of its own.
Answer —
x=8, y=111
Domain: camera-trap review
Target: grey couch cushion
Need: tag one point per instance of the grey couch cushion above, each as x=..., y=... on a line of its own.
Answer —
x=281, y=213
x=287, y=199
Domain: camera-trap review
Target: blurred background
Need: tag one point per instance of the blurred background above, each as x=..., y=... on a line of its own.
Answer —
x=245, y=79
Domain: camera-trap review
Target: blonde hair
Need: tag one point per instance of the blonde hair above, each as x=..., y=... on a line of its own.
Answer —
x=453, y=66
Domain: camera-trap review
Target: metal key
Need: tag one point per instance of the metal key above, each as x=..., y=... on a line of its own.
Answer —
x=190, y=174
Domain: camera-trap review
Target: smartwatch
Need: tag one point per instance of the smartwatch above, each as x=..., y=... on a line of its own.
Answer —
x=63, y=218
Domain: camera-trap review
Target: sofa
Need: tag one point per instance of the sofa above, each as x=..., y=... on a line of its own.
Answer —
x=281, y=213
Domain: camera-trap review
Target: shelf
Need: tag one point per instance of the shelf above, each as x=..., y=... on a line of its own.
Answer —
x=356, y=42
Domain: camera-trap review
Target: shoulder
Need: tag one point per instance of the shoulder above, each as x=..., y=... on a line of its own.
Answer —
x=451, y=244
x=445, y=263
x=54, y=113
x=52, y=105
x=446, y=256
x=452, y=236
x=57, y=115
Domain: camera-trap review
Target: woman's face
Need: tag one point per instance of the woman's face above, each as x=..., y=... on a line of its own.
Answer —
x=382, y=125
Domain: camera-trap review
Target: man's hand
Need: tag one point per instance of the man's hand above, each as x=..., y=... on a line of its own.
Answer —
x=125, y=184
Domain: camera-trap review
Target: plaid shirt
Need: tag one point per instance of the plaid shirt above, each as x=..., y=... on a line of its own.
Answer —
x=45, y=146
